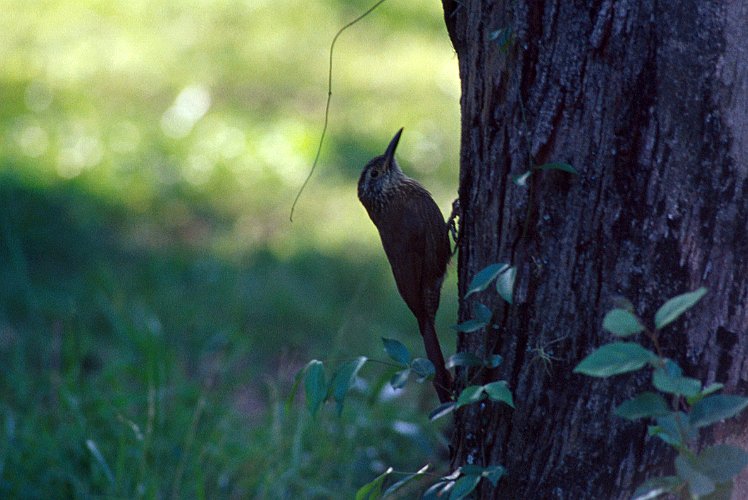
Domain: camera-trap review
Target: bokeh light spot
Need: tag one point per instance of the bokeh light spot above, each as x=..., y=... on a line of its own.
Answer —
x=192, y=103
x=80, y=149
x=33, y=140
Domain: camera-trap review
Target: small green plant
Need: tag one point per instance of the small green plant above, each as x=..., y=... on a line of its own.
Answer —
x=454, y=486
x=320, y=388
x=460, y=483
x=504, y=275
x=680, y=409
x=373, y=489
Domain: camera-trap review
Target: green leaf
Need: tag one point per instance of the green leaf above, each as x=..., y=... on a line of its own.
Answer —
x=714, y=387
x=658, y=431
x=558, y=166
x=669, y=429
x=723, y=491
x=396, y=350
x=656, y=486
x=493, y=361
x=699, y=484
x=493, y=473
x=482, y=316
x=91, y=445
x=423, y=368
x=442, y=409
x=721, y=462
x=671, y=382
x=499, y=391
x=711, y=388
x=676, y=306
x=438, y=490
x=484, y=278
x=503, y=37
x=672, y=368
x=469, y=326
x=464, y=486
x=373, y=489
x=716, y=408
x=482, y=312
x=452, y=476
x=470, y=395
x=463, y=359
x=521, y=179
x=343, y=379
x=622, y=323
x=470, y=470
x=407, y=479
x=615, y=358
x=505, y=284
x=400, y=378
x=646, y=404
x=315, y=385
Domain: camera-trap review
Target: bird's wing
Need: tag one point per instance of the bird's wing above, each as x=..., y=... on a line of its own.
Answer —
x=405, y=247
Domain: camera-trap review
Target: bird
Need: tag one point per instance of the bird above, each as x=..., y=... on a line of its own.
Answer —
x=416, y=241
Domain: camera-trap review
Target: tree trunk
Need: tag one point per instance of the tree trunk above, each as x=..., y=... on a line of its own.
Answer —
x=649, y=102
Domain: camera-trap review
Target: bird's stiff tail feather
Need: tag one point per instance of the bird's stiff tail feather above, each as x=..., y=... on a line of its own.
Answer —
x=442, y=378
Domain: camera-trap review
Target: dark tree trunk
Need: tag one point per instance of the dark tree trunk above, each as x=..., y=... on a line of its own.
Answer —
x=649, y=101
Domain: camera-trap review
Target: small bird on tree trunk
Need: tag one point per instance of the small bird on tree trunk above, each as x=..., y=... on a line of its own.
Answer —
x=416, y=241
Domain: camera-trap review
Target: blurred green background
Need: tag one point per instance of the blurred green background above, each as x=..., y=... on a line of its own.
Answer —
x=155, y=300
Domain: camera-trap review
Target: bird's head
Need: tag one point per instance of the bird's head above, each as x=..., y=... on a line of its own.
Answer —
x=380, y=175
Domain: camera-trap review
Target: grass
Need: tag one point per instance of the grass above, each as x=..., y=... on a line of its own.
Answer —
x=130, y=371
x=155, y=302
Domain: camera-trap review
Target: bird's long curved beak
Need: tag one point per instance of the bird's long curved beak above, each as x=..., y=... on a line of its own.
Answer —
x=389, y=154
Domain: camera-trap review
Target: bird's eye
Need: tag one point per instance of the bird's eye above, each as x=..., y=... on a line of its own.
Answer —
x=374, y=174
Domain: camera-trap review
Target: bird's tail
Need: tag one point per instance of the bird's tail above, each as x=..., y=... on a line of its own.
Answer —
x=442, y=378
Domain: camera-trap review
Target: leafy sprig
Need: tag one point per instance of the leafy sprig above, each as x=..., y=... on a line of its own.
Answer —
x=692, y=407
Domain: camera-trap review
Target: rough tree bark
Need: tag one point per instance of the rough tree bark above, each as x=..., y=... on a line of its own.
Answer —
x=649, y=101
